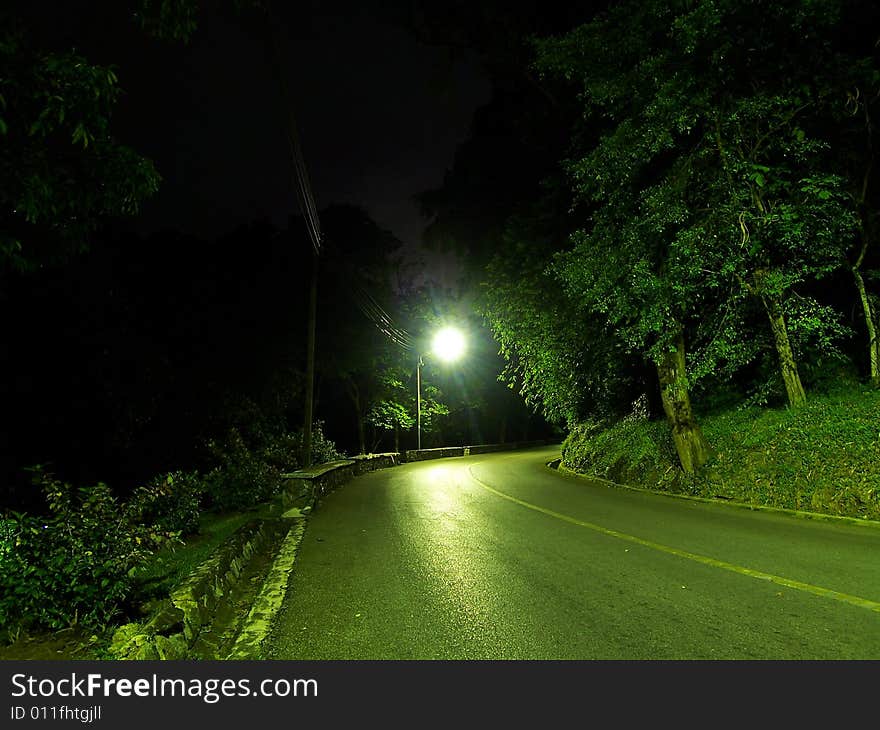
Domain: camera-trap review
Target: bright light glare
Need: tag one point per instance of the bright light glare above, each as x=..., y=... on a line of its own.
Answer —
x=448, y=344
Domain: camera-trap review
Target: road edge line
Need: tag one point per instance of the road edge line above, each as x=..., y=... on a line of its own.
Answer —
x=809, y=588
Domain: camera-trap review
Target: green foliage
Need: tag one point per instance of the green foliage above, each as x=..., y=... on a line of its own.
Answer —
x=78, y=563
x=72, y=565
x=178, y=20
x=433, y=409
x=390, y=416
x=61, y=170
x=241, y=479
x=170, y=20
x=629, y=451
x=708, y=179
x=247, y=470
x=563, y=371
x=821, y=458
x=392, y=407
x=393, y=402
x=169, y=503
x=323, y=449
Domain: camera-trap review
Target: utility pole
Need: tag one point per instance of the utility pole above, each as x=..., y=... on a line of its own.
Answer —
x=310, y=364
x=313, y=226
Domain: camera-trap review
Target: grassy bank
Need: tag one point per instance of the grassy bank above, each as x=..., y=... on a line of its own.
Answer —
x=166, y=568
x=824, y=457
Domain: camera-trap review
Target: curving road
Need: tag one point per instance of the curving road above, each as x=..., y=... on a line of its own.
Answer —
x=499, y=557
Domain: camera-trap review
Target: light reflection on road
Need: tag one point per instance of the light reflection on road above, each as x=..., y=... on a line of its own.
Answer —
x=452, y=547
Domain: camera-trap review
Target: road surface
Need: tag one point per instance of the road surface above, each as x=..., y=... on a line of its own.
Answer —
x=500, y=557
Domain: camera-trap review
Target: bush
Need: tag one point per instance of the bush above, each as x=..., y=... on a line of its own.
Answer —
x=72, y=566
x=284, y=451
x=169, y=503
x=242, y=478
x=246, y=474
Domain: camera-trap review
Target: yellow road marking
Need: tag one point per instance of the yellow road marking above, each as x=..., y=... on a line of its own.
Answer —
x=787, y=582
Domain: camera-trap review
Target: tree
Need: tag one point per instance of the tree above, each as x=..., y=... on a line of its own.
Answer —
x=705, y=181
x=558, y=357
x=390, y=415
x=61, y=170
x=621, y=266
x=357, y=269
x=853, y=98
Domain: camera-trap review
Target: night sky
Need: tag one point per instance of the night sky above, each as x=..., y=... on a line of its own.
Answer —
x=379, y=114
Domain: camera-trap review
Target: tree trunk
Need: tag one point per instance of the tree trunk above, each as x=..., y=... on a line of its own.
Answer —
x=787, y=365
x=872, y=318
x=692, y=447
x=396, y=439
x=354, y=395
x=362, y=442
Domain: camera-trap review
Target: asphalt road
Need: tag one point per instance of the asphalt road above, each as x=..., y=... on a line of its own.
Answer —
x=499, y=557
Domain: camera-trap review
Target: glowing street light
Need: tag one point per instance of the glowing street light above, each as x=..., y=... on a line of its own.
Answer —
x=448, y=345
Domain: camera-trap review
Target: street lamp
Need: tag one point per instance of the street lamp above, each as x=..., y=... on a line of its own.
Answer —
x=448, y=345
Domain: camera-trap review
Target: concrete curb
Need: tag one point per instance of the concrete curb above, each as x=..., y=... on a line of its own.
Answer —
x=179, y=624
x=258, y=624
x=801, y=514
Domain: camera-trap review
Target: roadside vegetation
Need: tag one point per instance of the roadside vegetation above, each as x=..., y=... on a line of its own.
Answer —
x=90, y=560
x=819, y=458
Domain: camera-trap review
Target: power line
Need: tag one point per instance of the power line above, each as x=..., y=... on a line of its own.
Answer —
x=386, y=320
x=301, y=176
x=313, y=226
x=380, y=319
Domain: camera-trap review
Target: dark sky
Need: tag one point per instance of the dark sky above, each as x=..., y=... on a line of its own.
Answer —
x=379, y=117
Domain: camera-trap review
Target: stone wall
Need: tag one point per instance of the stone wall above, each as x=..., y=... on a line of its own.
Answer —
x=422, y=454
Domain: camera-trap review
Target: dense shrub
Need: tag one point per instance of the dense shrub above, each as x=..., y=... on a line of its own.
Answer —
x=242, y=477
x=247, y=470
x=72, y=565
x=284, y=450
x=75, y=564
x=169, y=503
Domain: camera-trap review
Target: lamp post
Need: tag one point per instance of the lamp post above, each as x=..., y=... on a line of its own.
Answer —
x=419, y=402
x=448, y=345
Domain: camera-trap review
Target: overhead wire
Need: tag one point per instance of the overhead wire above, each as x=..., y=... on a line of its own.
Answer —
x=305, y=196
x=386, y=320
x=380, y=319
x=370, y=308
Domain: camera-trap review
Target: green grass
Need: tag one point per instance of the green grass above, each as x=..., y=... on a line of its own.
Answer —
x=824, y=457
x=169, y=566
